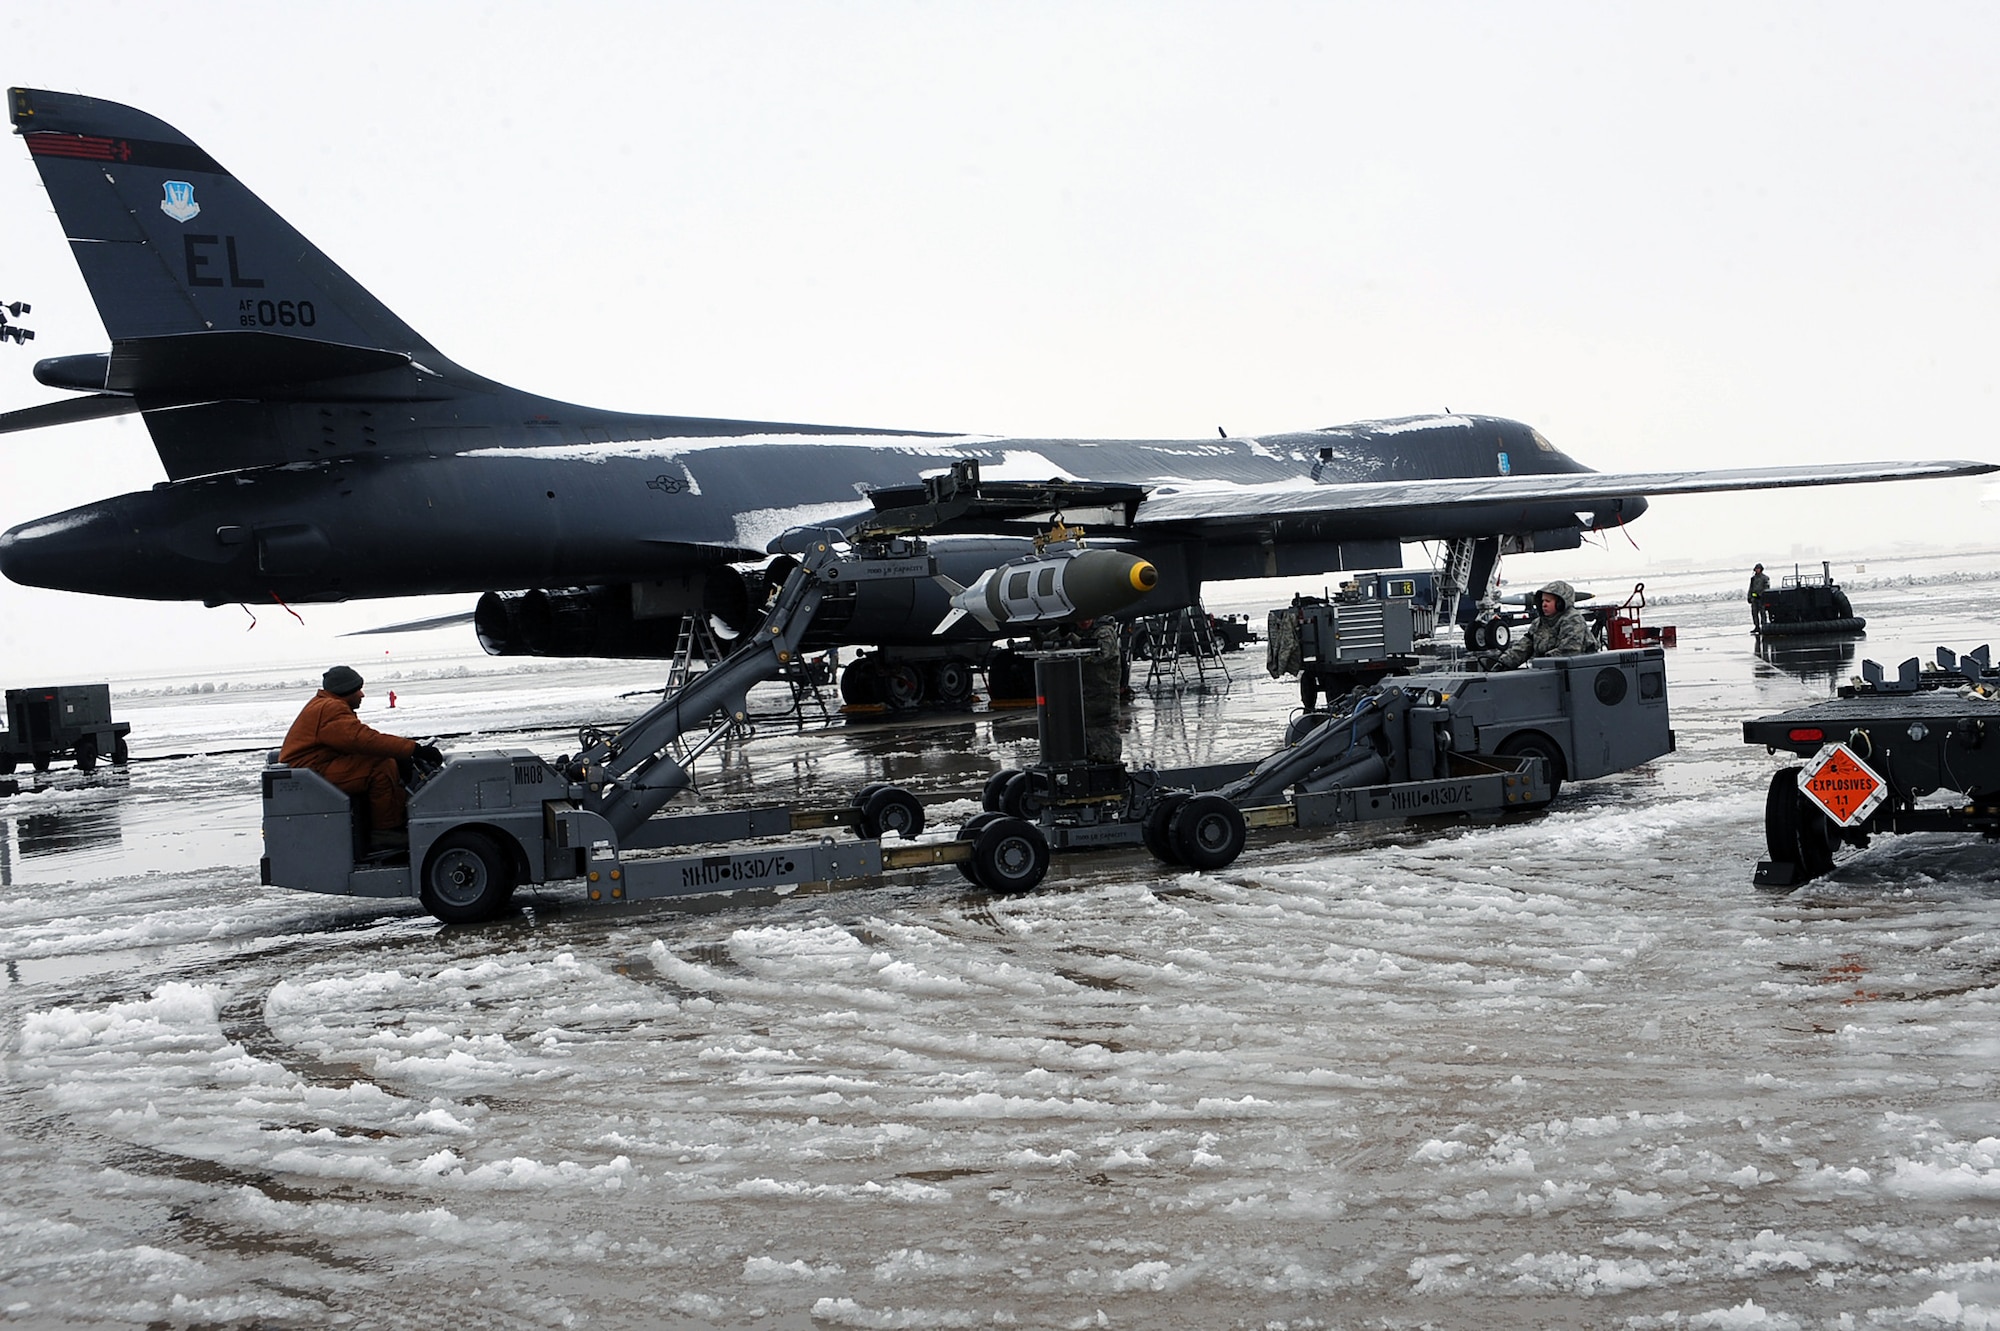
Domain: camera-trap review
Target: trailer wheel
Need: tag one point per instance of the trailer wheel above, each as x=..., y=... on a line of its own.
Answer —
x=1534, y=744
x=86, y=753
x=1010, y=855
x=1155, y=829
x=467, y=877
x=892, y=809
x=41, y=761
x=7, y=765
x=1017, y=798
x=1795, y=831
x=120, y=755
x=1208, y=832
x=968, y=868
x=989, y=796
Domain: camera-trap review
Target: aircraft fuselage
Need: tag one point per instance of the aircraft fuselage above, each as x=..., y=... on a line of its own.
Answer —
x=586, y=513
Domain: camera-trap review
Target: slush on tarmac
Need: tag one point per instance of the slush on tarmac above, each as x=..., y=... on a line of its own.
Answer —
x=1565, y=1069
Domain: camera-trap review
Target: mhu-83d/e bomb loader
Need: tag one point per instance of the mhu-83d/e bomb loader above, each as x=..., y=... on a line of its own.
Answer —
x=487, y=822
x=1452, y=742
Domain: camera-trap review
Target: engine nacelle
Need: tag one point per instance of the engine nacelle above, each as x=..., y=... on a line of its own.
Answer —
x=571, y=621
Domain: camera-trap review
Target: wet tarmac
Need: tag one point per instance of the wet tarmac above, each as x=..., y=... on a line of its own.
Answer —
x=1570, y=1069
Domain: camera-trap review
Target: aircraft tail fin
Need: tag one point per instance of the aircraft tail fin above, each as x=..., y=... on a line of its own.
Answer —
x=242, y=343
x=172, y=244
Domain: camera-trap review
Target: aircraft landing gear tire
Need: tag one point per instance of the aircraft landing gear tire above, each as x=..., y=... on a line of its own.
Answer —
x=1208, y=831
x=1156, y=829
x=887, y=809
x=1534, y=744
x=467, y=877
x=861, y=682
x=1010, y=855
x=1010, y=676
x=902, y=686
x=1795, y=831
x=951, y=682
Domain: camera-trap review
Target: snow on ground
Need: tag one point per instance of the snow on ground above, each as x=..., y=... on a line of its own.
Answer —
x=1566, y=1070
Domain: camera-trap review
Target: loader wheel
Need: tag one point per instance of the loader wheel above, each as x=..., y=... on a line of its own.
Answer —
x=968, y=868
x=891, y=809
x=1208, y=832
x=1017, y=798
x=1534, y=744
x=86, y=753
x=1156, y=829
x=467, y=877
x=989, y=797
x=1010, y=855
x=1795, y=831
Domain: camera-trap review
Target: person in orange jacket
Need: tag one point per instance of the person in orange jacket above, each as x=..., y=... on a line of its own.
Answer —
x=330, y=739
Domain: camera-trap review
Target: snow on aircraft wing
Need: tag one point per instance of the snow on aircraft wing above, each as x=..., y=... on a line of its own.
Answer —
x=1198, y=505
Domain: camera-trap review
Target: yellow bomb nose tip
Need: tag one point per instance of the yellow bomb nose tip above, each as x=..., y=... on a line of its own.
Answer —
x=1144, y=577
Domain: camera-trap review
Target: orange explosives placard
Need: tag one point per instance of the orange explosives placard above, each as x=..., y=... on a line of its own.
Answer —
x=1843, y=785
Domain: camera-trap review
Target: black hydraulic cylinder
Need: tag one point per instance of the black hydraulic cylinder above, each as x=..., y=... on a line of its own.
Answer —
x=1059, y=707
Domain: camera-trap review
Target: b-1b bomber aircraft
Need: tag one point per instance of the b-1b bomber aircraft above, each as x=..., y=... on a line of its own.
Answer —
x=317, y=448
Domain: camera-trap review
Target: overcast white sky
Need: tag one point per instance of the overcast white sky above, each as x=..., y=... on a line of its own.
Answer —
x=1690, y=235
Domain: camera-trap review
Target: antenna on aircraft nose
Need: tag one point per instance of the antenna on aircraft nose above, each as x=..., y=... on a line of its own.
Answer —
x=14, y=332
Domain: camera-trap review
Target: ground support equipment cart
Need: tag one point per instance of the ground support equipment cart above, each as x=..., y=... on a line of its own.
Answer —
x=1876, y=750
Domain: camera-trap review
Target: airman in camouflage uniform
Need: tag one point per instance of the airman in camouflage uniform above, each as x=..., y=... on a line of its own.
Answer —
x=1103, y=691
x=1561, y=630
x=1760, y=585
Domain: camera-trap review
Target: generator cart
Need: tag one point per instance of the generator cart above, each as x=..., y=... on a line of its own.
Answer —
x=62, y=721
